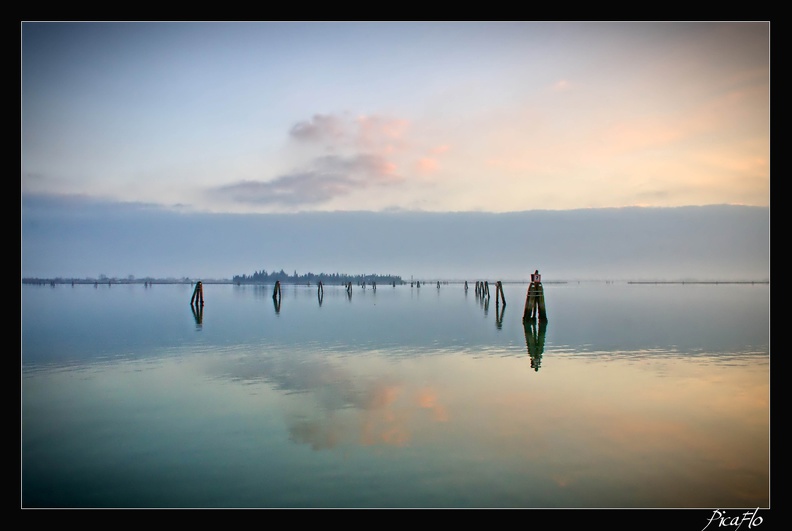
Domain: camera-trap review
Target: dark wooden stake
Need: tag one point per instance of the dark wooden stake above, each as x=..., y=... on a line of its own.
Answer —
x=276, y=293
x=499, y=293
x=197, y=296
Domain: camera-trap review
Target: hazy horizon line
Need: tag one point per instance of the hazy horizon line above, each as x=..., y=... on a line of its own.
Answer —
x=206, y=280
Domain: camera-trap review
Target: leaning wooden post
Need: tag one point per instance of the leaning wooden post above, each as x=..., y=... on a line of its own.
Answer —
x=499, y=293
x=197, y=296
x=530, y=301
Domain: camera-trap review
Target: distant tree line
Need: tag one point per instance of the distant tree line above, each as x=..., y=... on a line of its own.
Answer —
x=262, y=277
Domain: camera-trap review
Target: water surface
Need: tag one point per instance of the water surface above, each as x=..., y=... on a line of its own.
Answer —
x=630, y=396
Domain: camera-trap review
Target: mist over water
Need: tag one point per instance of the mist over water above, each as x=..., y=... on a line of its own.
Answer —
x=75, y=238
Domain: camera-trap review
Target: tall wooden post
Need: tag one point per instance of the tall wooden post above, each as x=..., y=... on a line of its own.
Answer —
x=535, y=303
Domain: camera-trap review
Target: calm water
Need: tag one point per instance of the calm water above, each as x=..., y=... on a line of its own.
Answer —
x=630, y=396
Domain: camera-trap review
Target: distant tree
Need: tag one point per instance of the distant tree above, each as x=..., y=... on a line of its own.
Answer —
x=260, y=277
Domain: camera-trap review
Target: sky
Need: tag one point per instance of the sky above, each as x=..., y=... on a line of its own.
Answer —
x=296, y=117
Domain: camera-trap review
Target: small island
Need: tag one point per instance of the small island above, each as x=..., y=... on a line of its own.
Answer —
x=258, y=277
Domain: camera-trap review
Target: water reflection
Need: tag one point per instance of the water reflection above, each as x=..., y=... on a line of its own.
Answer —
x=197, y=311
x=535, y=341
x=499, y=315
x=395, y=400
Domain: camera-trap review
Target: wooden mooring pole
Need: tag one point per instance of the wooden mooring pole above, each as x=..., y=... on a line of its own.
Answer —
x=197, y=296
x=276, y=292
x=499, y=293
x=534, y=302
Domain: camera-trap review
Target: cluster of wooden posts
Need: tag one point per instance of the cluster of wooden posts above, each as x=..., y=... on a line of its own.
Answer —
x=534, y=311
x=534, y=298
x=482, y=290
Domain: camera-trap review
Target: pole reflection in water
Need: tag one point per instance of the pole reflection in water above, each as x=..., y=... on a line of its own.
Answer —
x=499, y=311
x=197, y=311
x=535, y=341
x=276, y=296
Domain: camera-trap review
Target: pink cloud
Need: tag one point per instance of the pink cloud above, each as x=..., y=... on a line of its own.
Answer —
x=377, y=132
x=426, y=165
